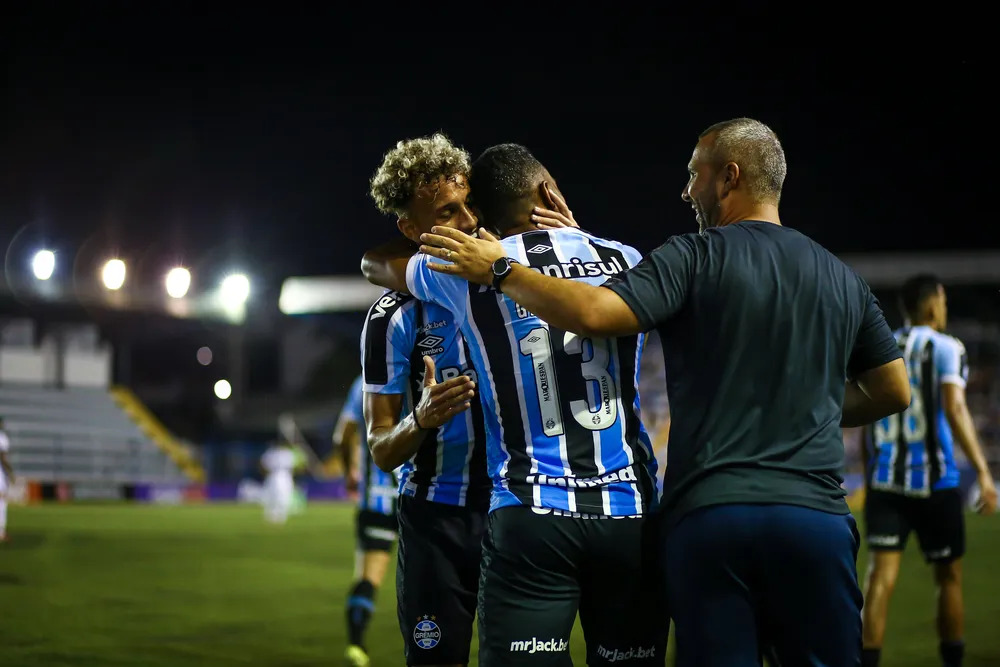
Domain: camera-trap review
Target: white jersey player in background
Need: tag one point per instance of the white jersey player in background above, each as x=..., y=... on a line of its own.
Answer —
x=279, y=462
x=6, y=479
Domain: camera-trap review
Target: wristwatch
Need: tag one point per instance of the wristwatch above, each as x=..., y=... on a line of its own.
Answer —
x=501, y=269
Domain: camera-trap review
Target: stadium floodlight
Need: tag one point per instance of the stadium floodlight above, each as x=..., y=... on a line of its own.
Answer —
x=43, y=264
x=178, y=282
x=324, y=294
x=113, y=274
x=223, y=389
x=234, y=291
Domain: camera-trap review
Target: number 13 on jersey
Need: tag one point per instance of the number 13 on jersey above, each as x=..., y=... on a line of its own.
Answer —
x=537, y=344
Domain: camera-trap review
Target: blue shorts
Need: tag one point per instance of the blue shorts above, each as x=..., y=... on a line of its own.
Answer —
x=745, y=581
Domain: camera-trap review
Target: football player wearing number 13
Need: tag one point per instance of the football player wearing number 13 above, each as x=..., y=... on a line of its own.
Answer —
x=572, y=468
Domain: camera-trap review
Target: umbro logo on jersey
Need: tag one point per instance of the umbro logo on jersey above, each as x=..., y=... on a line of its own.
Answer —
x=430, y=344
x=430, y=341
x=539, y=249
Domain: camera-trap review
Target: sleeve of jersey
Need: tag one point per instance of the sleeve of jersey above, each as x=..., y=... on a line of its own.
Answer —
x=658, y=286
x=353, y=409
x=952, y=362
x=875, y=345
x=385, y=353
x=445, y=290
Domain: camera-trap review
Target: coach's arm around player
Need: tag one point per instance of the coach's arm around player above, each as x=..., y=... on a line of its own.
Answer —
x=565, y=304
x=600, y=311
x=392, y=440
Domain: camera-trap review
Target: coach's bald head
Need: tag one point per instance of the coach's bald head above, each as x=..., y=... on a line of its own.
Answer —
x=736, y=173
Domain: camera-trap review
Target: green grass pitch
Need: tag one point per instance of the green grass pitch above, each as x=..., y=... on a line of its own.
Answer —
x=214, y=585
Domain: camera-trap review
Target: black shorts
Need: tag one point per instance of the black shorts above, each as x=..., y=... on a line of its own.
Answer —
x=437, y=579
x=376, y=531
x=540, y=569
x=938, y=520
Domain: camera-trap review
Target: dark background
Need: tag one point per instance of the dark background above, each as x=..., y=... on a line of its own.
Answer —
x=220, y=135
x=223, y=138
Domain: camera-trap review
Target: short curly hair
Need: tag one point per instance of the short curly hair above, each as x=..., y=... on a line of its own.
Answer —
x=412, y=164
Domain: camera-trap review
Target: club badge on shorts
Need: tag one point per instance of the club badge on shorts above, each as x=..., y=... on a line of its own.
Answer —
x=427, y=633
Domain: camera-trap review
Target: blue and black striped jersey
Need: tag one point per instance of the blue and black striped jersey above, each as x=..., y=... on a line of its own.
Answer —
x=915, y=450
x=561, y=410
x=450, y=466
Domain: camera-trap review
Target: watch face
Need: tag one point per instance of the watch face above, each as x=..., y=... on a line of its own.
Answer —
x=501, y=266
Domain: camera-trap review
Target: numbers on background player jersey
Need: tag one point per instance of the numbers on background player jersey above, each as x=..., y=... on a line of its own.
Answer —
x=912, y=421
x=538, y=345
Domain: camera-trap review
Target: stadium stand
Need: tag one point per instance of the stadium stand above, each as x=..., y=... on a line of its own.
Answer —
x=67, y=425
x=86, y=435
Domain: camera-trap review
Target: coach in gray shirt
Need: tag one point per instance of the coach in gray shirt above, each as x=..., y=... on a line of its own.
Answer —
x=770, y=344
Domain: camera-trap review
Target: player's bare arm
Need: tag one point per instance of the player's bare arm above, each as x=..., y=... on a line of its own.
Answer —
x=956, y=410
x=346, y=438
x=394, y=441
x=875, y=394
x=566, y=304
x=386, y=265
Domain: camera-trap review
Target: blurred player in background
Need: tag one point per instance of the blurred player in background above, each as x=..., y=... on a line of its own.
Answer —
x=376, y=523
x=6, y=479
x=279, y=462
x=912, y=477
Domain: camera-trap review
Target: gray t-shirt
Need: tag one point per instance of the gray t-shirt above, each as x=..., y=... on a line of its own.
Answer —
x=761, y=327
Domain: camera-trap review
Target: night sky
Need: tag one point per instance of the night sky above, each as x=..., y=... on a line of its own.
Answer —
x=225, y=138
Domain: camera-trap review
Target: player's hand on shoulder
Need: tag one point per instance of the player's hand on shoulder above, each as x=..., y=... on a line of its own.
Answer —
x=439, y=402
